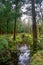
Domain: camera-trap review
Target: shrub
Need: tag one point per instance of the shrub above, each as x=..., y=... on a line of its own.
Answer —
x=4, y=52
x=37, y=58
x=7, y=46
x=3, y=44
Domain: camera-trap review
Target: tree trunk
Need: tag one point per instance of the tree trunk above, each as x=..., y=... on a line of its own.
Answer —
x=0, y=28
x=34, y=27
x=15, y=29
x=7, y=26
x=41, y=19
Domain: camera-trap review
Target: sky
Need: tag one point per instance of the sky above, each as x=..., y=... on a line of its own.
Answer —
x=28, y=18
x=25, y=17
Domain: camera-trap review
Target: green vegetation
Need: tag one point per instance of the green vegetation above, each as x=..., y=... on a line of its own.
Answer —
x=7, y=48
x=8, y=45
x=37, y=58
x=16, y=28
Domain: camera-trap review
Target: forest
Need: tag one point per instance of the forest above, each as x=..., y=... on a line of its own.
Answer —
x=21, y=32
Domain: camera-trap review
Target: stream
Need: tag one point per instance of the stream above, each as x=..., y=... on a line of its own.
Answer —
x=24, y=58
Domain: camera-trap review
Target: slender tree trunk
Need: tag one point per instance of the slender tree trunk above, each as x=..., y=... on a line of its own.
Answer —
x=15, y=29
x=0, y=28
x=40, y=27
x=7, y=26
x=34, y=27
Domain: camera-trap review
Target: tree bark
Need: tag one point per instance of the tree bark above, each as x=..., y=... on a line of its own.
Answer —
x=15, y=29
x=34, y=27
x=7, y=26
x=0, y=28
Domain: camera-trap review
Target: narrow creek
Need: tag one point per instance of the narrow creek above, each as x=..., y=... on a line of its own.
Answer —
x=24, y=58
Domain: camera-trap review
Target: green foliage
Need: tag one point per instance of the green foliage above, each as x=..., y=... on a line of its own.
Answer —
x=18, y=38
x=4, y=27
x=7, y=46
x=37, y=58
x=27, y=39
x=17, y=12
x=20, y=28
x=4, y=52
x=3, y=44
x=41, y=42
x=11, y=27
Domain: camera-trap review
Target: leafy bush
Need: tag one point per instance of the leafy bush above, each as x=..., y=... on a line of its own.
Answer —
x=3, y=44
x=7, y=46
x=24, y=38
x=41, y=43
x=37, y=58
x=18, y=38
x=4, y=52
